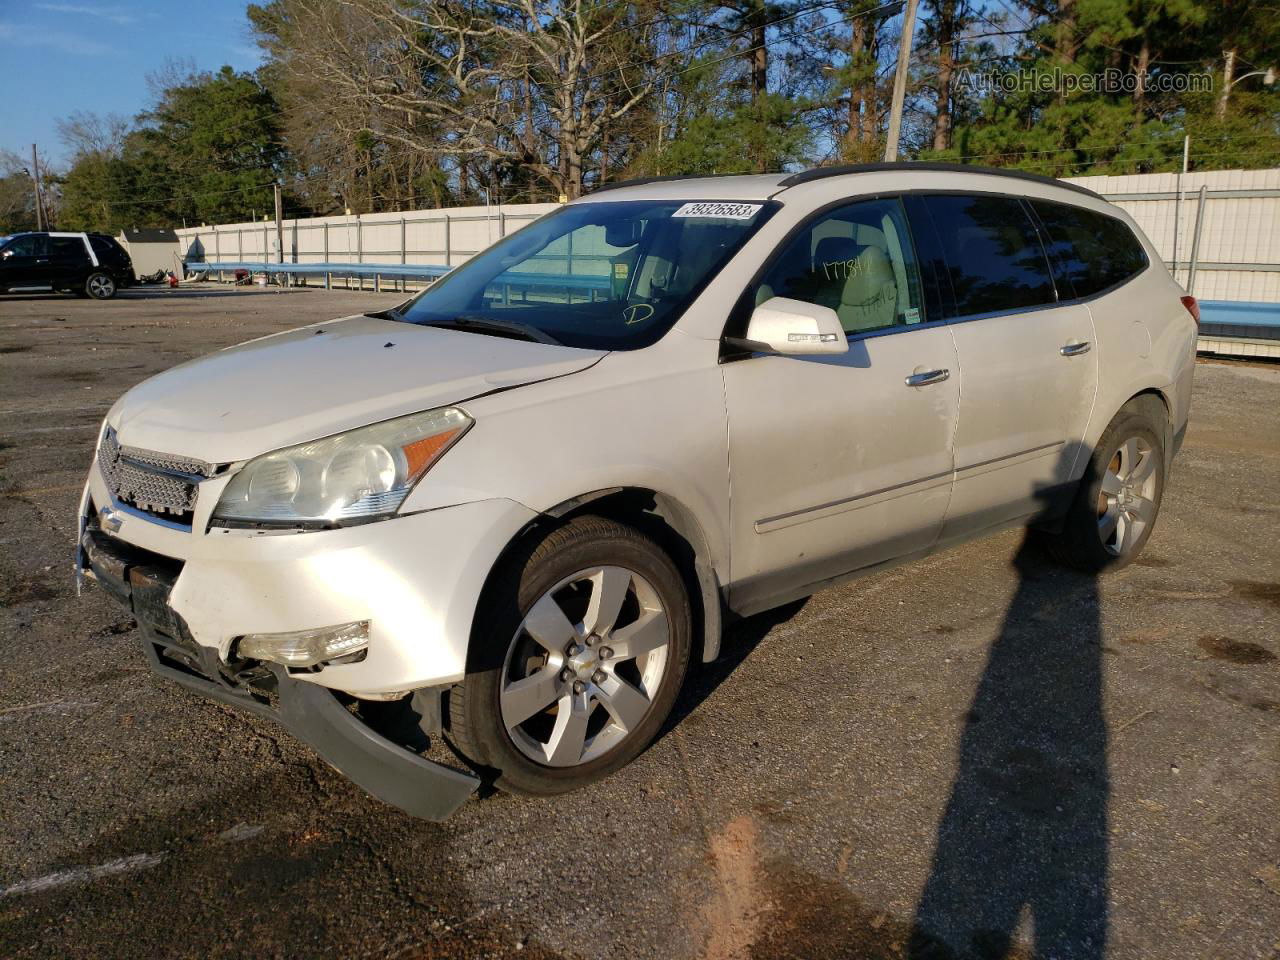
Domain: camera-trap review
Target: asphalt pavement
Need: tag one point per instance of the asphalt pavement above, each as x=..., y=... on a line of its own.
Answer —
x=977, y=755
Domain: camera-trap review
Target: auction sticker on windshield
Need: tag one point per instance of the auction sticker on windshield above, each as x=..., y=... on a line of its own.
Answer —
x=720, y=211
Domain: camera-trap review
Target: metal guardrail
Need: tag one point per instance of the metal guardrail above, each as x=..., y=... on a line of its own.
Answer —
x=428, y=272
x=391, y=272
x=1239, y=329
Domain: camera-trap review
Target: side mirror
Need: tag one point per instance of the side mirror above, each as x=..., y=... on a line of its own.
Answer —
x=786, y=326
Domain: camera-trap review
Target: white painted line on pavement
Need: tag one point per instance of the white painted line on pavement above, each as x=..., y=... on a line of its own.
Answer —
x=82, y=875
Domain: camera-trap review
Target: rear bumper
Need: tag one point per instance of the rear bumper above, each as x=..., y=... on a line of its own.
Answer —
x=313, y=714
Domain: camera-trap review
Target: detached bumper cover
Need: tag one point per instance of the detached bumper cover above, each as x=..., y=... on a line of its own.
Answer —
x=313, y=714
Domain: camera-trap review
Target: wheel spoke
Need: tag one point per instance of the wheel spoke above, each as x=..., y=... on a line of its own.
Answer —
x=1107, y=525
x=608, y=592
x=1110, y=484
x=522, y=699
x=1144, y=468
x=1143, y=509
x=569, y=736
x=1129, y=456
x=547, y=624
x=645, y=635
x=625, y=703
x=1125, y=533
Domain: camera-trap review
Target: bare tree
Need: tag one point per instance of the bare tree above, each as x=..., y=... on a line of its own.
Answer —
x=91, y=133
x=531, y=84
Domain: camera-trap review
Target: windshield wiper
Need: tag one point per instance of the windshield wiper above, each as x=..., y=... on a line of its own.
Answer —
x=499, y=327
x=391, y=313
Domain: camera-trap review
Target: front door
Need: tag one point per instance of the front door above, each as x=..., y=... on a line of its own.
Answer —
x=841, y=462
x=24, y=263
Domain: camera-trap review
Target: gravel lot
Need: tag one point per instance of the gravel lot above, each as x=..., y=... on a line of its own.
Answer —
x=1023, y=761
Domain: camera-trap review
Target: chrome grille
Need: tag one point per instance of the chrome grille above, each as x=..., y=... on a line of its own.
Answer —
x=156, y=483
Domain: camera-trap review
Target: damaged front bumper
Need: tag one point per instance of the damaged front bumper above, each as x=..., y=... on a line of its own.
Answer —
x=142, y=581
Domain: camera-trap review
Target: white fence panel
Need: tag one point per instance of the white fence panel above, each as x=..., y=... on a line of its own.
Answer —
x=1241, y=229
x=1241, y=226
x=447, y=236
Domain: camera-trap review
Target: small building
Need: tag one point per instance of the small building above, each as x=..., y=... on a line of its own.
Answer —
x=151, y=249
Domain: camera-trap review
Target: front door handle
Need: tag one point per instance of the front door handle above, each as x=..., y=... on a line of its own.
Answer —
x=926, y=378
x=1075, y=349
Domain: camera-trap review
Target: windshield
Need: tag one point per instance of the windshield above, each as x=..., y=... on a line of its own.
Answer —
x=607, y=276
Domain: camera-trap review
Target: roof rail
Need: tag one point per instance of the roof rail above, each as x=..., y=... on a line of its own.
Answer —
x=820, y=173
x=641, y=181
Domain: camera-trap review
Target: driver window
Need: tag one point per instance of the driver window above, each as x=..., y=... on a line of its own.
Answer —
x=32, y=245
x=857, y=260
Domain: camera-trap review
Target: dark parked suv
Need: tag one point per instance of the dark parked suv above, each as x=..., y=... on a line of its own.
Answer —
x=86, y=264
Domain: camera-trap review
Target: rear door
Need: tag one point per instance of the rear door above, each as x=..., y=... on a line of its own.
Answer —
x=841, y=462
x=1030, y=370
x=24, y=263
x=69, y=260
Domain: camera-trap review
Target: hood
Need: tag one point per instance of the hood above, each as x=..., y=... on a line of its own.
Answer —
x=304, y=384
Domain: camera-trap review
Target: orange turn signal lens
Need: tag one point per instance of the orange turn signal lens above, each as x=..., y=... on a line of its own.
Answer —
x=421, y=454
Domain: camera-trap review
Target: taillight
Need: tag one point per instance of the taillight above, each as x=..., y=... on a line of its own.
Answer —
x=1193, y=308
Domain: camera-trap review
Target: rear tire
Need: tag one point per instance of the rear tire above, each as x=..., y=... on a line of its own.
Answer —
x=1118, y=500
x=579, y=650
x=99, y=286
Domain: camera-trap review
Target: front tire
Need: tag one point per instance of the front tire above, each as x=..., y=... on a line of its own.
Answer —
x=1119, y=497
x=580, y=648
x=100, y=286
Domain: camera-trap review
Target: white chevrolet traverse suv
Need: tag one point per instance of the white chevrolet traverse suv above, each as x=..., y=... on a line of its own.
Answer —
x=512, y=510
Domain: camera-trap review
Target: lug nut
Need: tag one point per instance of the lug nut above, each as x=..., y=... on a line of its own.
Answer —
x=574, y=650
x=591, y=640
x=579, y=686
x=598, y=677
x=566, y=674
x=606, y=653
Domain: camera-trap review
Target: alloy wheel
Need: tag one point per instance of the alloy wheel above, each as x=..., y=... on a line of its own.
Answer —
x=102, y=287
x=1126, y=501
x=584, y=666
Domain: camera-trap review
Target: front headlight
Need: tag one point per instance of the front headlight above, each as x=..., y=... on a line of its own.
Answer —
x=358, y=475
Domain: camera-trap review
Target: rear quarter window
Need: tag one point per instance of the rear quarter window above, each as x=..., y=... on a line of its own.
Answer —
x=1091, y=251
x=993, y=253
x=106, y=248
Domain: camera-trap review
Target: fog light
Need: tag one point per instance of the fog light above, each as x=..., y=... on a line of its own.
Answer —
x=306, y=648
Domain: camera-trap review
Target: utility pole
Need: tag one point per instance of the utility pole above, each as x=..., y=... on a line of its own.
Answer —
x=35, y=179
x=900, y=82
x=279, y=225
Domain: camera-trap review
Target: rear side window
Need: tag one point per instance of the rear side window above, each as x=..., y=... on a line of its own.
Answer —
x=68, y=249
x=106, y=248
x=993, y=253
x=1090, y=250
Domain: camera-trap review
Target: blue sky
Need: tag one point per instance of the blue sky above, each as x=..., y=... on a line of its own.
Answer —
x=59, y=56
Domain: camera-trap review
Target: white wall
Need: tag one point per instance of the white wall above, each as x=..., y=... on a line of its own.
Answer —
x=446, y=236
x=149, y=257
x=1239, y=228
x=1244, y=228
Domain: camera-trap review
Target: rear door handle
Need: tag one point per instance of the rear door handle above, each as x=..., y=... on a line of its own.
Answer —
x=926, y=378
x=1075, y=349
